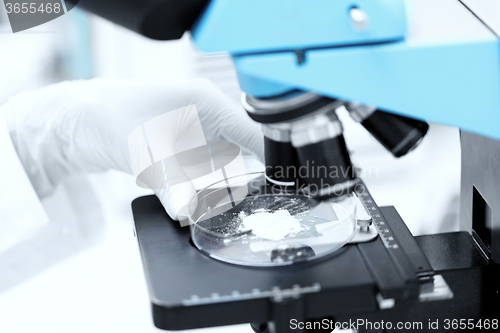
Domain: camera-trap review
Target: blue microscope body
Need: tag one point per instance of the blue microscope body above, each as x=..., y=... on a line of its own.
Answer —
x=426, y=59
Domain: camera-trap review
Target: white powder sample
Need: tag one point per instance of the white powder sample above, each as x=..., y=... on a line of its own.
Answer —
x=272, y=226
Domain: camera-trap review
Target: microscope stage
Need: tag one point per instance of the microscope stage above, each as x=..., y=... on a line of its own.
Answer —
x=190, y=290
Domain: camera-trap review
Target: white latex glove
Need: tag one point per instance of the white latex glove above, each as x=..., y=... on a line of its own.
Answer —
x=84, y=126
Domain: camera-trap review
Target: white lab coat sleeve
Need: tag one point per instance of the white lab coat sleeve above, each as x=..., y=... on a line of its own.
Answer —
x=21, y=212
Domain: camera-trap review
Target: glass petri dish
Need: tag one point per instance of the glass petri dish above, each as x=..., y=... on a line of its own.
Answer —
x=244, y=221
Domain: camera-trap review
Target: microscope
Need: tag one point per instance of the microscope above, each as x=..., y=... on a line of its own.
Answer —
x=393, y=64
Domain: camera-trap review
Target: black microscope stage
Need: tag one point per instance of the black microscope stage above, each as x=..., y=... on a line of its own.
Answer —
x=383, y=278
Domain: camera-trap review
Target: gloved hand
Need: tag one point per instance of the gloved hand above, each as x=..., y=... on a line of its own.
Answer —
x=84, y=126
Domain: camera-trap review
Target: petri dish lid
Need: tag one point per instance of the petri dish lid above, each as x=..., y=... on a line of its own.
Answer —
x=268, y=226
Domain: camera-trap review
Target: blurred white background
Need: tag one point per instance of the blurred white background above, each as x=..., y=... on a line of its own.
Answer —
x=82, y=272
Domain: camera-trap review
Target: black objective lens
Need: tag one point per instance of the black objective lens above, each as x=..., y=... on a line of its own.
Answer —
x=304, y=145
x=281, y=160
x=396, y=133
x=327, y=167
x=324, y=161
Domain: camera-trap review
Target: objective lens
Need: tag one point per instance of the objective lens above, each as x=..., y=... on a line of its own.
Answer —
x=280, y=156
x=304, y=144
x=396, y=133
x=276, y=115
x=324, y=161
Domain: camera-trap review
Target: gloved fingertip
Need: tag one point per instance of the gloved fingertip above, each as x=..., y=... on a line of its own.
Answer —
x=165, y=201
x=177, y=200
